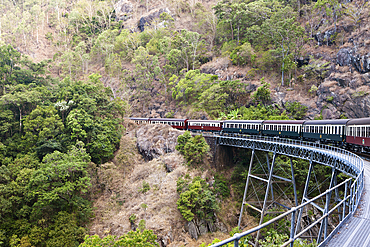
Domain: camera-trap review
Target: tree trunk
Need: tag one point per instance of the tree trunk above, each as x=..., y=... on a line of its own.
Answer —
x=232, y=31
x=20, y=120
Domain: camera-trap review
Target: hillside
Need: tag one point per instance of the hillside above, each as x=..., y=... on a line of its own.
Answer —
x=71, y=72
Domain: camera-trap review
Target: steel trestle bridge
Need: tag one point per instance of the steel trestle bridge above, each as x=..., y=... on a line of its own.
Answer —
x=340, y=200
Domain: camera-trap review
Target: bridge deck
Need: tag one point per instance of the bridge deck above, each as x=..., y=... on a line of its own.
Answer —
x=356, y=232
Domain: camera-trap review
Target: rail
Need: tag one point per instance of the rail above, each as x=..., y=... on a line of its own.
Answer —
x=338, y=158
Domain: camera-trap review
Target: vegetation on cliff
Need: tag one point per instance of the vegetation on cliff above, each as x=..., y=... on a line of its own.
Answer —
x=71, y=70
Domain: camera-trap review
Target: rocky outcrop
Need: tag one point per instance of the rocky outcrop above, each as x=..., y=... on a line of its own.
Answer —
x=325, y=38
x=202, y=227
x=147, y=20
x=349, y=57
x=124, y=10
x=154, y=140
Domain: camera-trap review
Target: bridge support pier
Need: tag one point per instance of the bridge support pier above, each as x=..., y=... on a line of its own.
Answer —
x=269, y=178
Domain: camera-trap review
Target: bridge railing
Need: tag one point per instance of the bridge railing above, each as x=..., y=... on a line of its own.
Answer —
x=353, y=188
x=293, y=213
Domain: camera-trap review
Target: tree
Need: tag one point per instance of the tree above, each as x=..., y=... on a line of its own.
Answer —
x=61, y=181
x=22, y=99
x=10, y=60
x=191, y=46
x=197, y=201
x=193, y=148
x=189, y=89
x=284, y=33
x=42, y=125
x=331, y=8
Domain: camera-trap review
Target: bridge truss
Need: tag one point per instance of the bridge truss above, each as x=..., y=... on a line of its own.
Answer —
x=339, y=199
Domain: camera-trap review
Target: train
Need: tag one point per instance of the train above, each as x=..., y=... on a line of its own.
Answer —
x=351, y=134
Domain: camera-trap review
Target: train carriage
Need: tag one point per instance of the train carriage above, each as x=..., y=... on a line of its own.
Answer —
x=250, y=127
x=140, y=120
x=180, y=124
x=204, y=125
x=358, y=132
x=282, y=128
x=325, y=130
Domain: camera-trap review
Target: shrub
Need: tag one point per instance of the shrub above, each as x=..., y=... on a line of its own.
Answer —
x=145, y=188
x=197, y=200
x=296, y=110
x=243, y=55
x=193, y=148
x=313, y=89
x=263, y=93
x=221, y=186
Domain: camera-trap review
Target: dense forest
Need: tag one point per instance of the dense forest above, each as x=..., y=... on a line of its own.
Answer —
x=72, y=70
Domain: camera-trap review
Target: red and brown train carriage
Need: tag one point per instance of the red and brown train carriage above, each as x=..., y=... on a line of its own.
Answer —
x=204, y=125
x=358, y=133
x=180, y=124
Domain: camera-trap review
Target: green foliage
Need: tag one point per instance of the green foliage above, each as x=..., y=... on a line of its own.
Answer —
x=40, y=126
x=61, y=181
x=259, y=112
x=182, y=140
x=273, y=239
x=132, y=218
x=65, y=231
x=313, y=89
x=243, y=55
x=193, y=148
x=145, y=238
x=221, y=186
x=330, y=99
x=189, y=89
x=263, y=94
x=197, y=201
x=145, y=188
x=296, y=110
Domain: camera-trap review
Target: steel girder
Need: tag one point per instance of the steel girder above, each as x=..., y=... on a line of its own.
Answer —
x=321, y=156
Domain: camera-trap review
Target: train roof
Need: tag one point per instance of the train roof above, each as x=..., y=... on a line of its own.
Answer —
x=283, y=121
x=359, y=121
x=327, y=122
x=202, y=121
x=244, y=121
x=139, y=118
x=168, y=119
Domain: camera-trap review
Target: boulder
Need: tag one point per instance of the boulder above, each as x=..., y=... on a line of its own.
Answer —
x=366, y=78
x=124, y=10
x=344, y=57
x=349, y=57
x=302, y=61
x=358, y=107
x=203, y=227
x=155, y=140
x=193, y=230
x=147, y=19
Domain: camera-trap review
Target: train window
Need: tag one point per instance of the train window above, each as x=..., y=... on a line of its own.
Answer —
x=367, y=131
x=320, y=129
x=362, y=131
x=248, y=126
x=357, y=131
